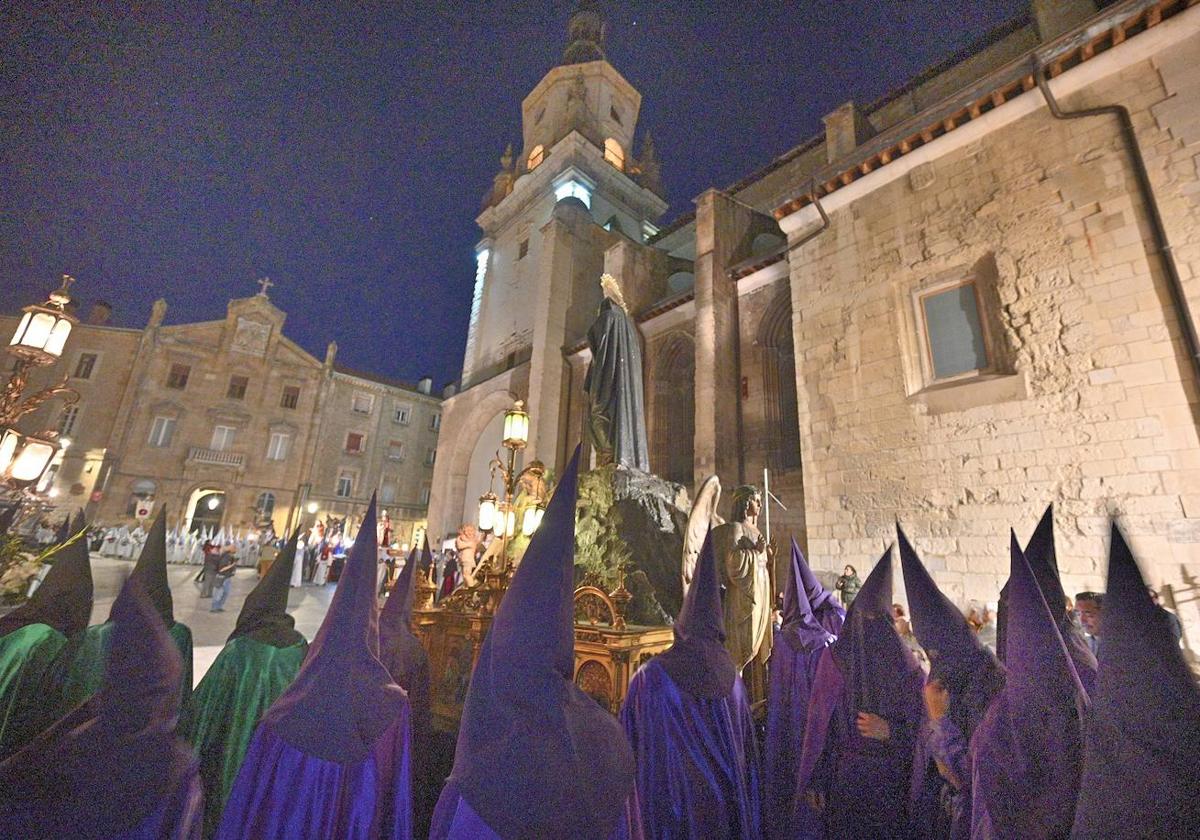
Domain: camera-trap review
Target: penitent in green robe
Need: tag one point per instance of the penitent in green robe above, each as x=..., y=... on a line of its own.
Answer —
x=244, y=680
x=27, y=655
x=80, y=666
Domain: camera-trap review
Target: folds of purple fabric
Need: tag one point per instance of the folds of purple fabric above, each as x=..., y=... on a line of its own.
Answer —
x=1027, y=747
x=1143, y=736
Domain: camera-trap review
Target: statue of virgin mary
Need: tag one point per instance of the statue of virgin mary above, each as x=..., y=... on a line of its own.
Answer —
x=617, y=418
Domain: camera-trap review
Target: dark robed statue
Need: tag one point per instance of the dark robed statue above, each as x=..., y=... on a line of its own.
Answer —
x=616, y=418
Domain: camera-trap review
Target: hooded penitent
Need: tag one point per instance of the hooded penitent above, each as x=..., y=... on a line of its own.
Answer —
x=689, y=701
x=401, y=653
x=865, y=780
x=971, y=675
x=1043, y=561
x=805, y=633
x=260, y=660
x=112, y=768
x=330, y=758
x=1140, y=774
x=536, y=757
x=33, y=635
x=81, y=663
x=1027, y=748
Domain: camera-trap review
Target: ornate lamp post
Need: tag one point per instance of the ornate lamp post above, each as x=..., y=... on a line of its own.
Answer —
x=38, y=341
x=499, y=515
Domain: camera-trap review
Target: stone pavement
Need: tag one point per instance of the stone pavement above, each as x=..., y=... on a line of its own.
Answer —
x=209, y=630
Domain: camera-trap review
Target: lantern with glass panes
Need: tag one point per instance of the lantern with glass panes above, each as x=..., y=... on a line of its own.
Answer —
x=38, y=341
x=499, y=515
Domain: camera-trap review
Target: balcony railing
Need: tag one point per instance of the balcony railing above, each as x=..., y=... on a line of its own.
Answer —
x=216, y=457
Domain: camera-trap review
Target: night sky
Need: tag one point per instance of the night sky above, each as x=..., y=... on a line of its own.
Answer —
x=343, y=149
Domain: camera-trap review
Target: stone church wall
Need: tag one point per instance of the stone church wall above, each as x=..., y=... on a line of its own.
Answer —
x=1097, y=412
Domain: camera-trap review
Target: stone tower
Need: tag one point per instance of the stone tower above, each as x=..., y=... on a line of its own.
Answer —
x=573, y=190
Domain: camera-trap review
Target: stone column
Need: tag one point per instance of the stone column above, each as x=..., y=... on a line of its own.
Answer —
x=721, y=225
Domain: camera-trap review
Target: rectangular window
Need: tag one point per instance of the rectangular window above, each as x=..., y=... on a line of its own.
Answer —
x=291, y=396
x=354, y=442
x=435, y=422
x=237, y=387
x=402, y=414
x=66, y=422
x=161, y=431
x=387, y=494
x=424, y=495
x=277, y=448
x=522, y=249
x=955, y=340
x=430, y=456
x=362, y=403
x=85, y=366
x=345, y=486
x=178, y=377
x=395, y=451
x=222, y=437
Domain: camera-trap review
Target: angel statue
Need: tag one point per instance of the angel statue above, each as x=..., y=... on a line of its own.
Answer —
x=616, y=417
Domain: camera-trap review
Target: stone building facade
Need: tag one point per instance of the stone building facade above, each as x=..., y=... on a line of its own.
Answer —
x=231, y=424
x=950, y=307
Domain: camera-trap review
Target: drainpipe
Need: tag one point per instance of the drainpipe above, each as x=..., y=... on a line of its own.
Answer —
x=1162, y=244
x=812, y=234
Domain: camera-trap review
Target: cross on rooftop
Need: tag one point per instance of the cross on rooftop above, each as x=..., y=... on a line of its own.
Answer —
x=264, y=284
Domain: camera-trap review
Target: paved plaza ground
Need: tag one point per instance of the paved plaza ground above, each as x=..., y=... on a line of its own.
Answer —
x=306, y=604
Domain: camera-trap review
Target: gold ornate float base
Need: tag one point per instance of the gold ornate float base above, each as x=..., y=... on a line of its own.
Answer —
x=607, y=651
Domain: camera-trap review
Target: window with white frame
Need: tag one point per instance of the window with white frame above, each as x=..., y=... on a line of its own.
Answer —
x=264, y=506
x=222, y=438
x=161, y=431
x=430, y=457
x=402, y=414
x=362, y=403
x=67, y=420
x=278, y=446
x=85, y=366
x=953, y=330
x=435, y=422
x=395, y=450
x=345, y=485
x=424, y=495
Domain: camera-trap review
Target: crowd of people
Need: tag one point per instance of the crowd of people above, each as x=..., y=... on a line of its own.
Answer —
x=1057, y=733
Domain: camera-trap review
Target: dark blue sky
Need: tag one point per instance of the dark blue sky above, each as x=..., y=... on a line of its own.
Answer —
x=342, y=149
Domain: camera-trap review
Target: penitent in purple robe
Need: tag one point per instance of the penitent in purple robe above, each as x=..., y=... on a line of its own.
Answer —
x=330, y=758
x=1027, y=748
x=864, y=782
x=688, y=719
x=536, y=757
x=1142, y=747
x=972, y=676
x=812, y=619
x=113, y=768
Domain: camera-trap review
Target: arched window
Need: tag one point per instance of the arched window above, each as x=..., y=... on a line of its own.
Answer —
x=536, y=154
x=614, y=154
x=671, y=452
x=264, y=507
x=779, y=385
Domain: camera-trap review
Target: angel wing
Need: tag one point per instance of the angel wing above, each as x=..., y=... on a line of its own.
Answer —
x=704, y=514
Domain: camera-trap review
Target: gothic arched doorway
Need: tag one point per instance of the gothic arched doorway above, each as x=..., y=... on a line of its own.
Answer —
x=671, y=451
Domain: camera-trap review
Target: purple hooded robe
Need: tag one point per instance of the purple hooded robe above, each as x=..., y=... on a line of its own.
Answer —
x=113, y=768
x=688, y=718
x=536, y=757
x=864, y=781
x=812, y=620
x=972, y=676
x=330, y=758
x=1142, y=748
x=1027, y=748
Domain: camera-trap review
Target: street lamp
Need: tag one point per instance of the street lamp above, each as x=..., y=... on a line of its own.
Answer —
x=38, y=341
x=500, y=515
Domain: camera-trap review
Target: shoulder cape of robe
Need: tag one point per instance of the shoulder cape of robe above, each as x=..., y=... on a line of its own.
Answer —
x=284, y=794
x=27, y=655
x=455, y=819
x=242, y=683
x=79, y=669
x=698, y=770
